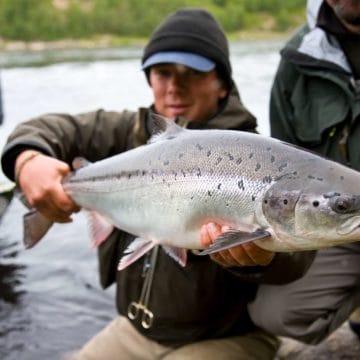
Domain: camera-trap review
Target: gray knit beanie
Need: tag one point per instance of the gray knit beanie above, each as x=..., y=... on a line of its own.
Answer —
x=193, y=31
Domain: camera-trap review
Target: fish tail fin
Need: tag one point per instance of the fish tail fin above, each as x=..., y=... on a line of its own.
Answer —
x=134, y=251
x=178, y=254
x=100, y=228
x=36, y=226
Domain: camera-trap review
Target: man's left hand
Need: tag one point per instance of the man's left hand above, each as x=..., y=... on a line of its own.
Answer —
x=248, y=254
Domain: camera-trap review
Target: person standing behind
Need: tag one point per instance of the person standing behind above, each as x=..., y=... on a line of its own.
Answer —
x=315, y=103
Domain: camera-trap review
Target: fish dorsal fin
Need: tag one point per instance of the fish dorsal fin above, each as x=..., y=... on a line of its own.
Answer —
x=233, y=238
x=178, y=254
x=80, y=162
x=100, y=228
x=134, y=251
x=163, y=128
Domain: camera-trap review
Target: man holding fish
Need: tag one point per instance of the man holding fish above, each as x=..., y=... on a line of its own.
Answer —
x=165, y=310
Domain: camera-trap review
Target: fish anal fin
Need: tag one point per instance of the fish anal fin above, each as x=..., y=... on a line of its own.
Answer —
x=100, y=228
x=35, y=227
x=178, y=254
x=233, y=238
x=135, y=251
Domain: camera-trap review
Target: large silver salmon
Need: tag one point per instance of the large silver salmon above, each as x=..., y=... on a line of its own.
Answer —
x=267, y=191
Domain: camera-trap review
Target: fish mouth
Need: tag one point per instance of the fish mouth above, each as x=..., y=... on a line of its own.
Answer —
x=349, y=226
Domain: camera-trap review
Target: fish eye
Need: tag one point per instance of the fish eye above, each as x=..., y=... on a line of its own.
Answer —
x=285, y=202
x=316, y=203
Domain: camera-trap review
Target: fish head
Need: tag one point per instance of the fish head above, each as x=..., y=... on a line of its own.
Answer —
x=310, y=216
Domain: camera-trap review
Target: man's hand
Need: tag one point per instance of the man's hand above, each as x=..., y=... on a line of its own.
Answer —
x=242, y=255
x=40, y=181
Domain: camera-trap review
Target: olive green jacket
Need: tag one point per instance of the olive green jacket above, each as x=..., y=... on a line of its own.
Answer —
x=200, y=301
x=315, y=100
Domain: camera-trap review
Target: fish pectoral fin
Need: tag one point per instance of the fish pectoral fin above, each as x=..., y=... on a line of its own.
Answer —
x=36, y=226
x=233, y=238
x=134, y=251
x=178, y=254
x=100, y=228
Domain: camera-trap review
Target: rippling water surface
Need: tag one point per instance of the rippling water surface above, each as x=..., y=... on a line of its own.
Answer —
x=50, y=298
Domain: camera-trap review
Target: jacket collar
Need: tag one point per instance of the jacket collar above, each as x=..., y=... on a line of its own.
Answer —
x=318, y=44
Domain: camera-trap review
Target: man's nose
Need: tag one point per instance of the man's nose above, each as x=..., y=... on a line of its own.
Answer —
x=177, y=81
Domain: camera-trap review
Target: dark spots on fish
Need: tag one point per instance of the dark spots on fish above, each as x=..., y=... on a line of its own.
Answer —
x=257, y=167
x=239, y=161
x=241, y=185
x=251, y=155
x=320, y=179
x=283, y=166
x=208, y=153
x=209, y=193
x=143, y=173
x=265, y=201
x=253, y=198
x=192, y=197
x=268, y=148
x=129, y=175
x=272, y=159
x=175, y=174
x=181, y=155
x=267, y=179
x=341, y=177
x=295, y=173
x=167, y=162
x=230, y=157
x=219, y=186
x=311, y=177
x=218, y=160
x=199, y=147
x=198, y=172
x=183, y=172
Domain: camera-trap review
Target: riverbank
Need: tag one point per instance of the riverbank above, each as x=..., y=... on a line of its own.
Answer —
x=106, y=41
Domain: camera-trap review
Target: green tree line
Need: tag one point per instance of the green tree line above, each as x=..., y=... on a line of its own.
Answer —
x=48, y=20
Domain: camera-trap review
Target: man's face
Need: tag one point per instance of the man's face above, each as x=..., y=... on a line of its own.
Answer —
x=181, y=91
x=348, y=12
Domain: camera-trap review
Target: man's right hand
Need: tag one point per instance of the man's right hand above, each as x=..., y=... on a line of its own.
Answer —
x=40, y=180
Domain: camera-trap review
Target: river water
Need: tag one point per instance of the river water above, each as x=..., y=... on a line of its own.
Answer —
x=50, y=299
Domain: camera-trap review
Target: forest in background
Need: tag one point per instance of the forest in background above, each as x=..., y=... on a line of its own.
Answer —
x=51, y=20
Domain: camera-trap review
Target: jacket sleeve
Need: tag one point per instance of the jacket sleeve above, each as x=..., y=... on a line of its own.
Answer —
x=281, y=108
x=93, y=135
